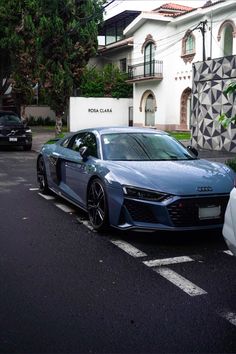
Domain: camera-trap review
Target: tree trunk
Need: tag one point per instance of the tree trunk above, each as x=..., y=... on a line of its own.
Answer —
x=23, y=117
x=58, y=126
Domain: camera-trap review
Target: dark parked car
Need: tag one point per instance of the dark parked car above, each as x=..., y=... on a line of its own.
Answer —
x=13, y=132
x=135, y=178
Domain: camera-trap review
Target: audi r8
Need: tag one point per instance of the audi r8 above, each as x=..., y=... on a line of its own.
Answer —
x=135, y=178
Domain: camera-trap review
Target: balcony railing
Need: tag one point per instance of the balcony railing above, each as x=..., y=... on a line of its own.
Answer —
x=145, y=71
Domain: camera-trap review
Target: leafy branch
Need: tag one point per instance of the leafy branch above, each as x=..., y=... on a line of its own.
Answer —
x=223, y=118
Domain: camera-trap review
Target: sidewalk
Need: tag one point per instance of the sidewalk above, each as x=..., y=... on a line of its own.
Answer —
x=42, y=136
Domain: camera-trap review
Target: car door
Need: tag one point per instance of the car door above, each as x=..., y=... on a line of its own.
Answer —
x=229, y=228
x=76, y=171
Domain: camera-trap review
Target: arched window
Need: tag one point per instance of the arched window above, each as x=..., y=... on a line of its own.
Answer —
x=228, y=40
x=226, y=34
x=188, y=47
x=149, y=59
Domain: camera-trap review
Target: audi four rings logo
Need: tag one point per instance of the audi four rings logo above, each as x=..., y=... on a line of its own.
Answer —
x=204, y=189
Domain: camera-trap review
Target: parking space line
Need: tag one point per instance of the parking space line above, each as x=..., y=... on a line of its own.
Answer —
x=34, y=189
x=167, y=261
x=131, y=250
x=64, y=208
x=86, y=223
x=47, y=197
x=229, y=316
x=187, y=286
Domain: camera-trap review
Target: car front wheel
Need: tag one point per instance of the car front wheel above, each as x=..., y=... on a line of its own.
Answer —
x=42, y=177
x=97, y=205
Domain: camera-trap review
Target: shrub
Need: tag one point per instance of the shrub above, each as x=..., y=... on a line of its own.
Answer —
x=231, y=163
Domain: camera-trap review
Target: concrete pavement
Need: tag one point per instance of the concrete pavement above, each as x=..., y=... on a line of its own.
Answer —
x=41, y=136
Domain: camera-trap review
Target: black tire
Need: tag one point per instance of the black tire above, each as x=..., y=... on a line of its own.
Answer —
x=42, y=177
x=97, y=205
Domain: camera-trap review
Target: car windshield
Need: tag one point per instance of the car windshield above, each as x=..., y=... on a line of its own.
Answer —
x=9, y=119
x=143, y=147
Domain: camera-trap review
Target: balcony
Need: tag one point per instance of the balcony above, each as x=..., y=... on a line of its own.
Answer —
x=152, y=70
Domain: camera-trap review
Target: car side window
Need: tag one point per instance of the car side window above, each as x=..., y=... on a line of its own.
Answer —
x=85, y=139
x=78, y=142
x=91, y=142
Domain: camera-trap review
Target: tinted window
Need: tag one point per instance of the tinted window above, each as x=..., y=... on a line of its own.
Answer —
x=142, y=147
x=9, y=119
x=85, y=139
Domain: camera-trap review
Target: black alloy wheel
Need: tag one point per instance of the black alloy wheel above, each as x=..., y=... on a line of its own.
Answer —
x=41, y=175
x=97, y=205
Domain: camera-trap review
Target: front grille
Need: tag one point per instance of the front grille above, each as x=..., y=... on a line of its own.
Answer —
x=184, y=212
x=139, y=211
x=17, y=131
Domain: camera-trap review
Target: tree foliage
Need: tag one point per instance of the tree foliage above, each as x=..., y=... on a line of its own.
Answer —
x=224, y=119
x=106, y=82
x=49, y=43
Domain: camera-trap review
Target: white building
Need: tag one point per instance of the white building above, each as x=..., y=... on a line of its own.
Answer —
x=158, y=49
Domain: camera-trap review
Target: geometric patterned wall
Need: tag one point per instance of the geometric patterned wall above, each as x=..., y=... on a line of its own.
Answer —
x=210, y=78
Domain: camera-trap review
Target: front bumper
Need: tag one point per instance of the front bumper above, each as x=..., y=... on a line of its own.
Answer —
x=176, y=214
x=19, y=140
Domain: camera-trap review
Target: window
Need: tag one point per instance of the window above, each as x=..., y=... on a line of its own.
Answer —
x=85, y=139
x=149, y=60
x=188, y=47
x=123, y=65
x=110, y=35
x=228, y=40
x=226, y=34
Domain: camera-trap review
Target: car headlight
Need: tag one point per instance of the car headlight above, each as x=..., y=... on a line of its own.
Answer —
x=28, y=130
x=144, y=194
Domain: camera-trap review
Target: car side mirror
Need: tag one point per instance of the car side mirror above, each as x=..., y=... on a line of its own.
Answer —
x=84, y=152
x=192, y=150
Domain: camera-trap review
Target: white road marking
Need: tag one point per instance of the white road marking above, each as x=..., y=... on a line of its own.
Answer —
x=182, y=283
x=167, y=261
x=64, y=208
x=34, y=189
x=47, y=197
x=86, y=224
x=131, y=250
x=229, y=316
x=228, y=252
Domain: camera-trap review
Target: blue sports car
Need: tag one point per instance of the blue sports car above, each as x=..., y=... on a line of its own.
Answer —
x=135, y=178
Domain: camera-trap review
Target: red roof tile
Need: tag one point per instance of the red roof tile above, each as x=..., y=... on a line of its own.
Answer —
x=177, y=7
x=173, y=10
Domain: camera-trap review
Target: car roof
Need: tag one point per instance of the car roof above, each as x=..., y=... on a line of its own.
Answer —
x=123, y=129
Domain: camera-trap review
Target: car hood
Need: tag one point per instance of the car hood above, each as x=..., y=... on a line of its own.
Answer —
x=175, y=177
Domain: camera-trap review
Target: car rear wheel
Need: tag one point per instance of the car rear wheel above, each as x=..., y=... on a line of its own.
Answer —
x=42, y=177
x=97, y=205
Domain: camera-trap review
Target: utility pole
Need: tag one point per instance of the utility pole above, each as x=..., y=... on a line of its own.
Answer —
x=202, y=27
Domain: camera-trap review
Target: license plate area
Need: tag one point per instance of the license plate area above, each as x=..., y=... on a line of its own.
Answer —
x=13, y=139
x=209, y=212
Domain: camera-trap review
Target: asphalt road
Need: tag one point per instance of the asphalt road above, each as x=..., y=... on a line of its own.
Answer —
x=67, y=289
